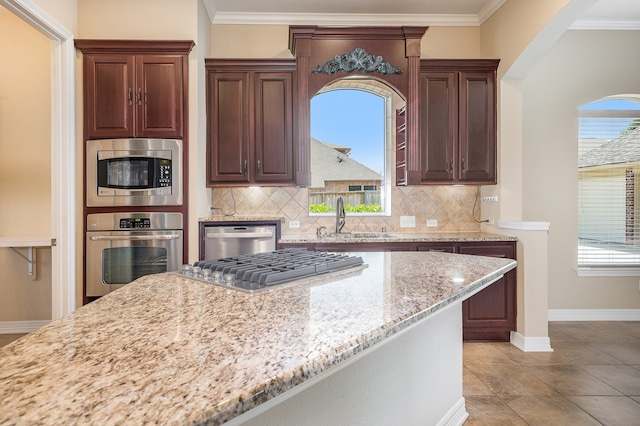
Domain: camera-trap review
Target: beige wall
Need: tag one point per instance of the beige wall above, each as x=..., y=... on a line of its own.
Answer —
x=250, y=41
x=583, y=66
x=511, y=29
x=140, y=19
x=451, y=42
x=63, y=12
x=514, y=33
x=25, y=166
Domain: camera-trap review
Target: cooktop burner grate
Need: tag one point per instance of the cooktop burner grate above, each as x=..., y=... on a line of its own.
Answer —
x=261, y=270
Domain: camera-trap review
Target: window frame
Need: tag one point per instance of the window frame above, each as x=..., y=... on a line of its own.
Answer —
x=607, y=269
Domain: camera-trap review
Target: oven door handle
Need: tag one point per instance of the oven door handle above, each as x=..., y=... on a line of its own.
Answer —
x=133, y=237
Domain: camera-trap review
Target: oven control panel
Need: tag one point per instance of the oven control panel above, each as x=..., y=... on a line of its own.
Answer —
x=135, y=222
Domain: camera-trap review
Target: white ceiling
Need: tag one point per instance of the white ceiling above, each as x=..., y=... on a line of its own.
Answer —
x=604, y=14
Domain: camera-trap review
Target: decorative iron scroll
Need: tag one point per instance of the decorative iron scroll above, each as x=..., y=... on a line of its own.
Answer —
x=358, y=60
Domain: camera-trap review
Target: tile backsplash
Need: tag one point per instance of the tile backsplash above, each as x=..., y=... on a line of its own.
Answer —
x=451, y=206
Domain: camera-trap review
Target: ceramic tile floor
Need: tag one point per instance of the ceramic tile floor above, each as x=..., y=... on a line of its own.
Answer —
x=591, y=378
x=5, y=339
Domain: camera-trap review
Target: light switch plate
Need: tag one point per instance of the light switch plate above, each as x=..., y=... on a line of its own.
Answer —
x=407, y=221
x=294, y=224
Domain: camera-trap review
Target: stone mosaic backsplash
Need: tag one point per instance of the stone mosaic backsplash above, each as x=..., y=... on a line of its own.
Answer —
x=451, y=206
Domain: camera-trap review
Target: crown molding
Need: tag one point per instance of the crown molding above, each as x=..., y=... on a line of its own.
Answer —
x=489, y=10
x=583, y=24
x=345, y=19
x=399, y=19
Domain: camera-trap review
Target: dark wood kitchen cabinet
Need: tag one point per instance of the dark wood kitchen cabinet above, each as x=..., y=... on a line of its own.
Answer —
x=457, y=109
x=489, y=315
x=250, y=122
x=134, y=88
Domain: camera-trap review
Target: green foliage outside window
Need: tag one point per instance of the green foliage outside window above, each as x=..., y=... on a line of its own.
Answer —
x=360, y=208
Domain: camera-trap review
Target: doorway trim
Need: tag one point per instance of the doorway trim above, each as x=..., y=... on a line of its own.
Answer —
x=63, y=223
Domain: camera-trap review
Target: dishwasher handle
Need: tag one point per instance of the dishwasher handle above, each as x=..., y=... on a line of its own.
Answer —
x=255, y=234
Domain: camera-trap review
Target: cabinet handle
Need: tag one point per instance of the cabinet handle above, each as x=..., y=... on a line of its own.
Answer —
x=244, y=168
x=139, y=96
x=463, y=168
x=451, y=166
x=259, y=168
x=130, y=99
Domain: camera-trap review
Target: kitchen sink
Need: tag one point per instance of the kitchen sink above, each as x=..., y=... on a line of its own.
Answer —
x=355, y=235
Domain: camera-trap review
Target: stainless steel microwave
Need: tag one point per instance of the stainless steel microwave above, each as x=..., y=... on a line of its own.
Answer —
x=134, y=172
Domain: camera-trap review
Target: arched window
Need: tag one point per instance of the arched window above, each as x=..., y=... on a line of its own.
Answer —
x=352, y=146
x=609, y=185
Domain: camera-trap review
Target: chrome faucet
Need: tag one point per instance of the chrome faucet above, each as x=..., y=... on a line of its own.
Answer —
x=340, y=215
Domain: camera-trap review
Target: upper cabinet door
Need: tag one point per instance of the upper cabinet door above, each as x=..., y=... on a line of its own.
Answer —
x=457, y=108
x=250, y=122
x=477, y=127
x=228, y=127
x=135, y=88
x=438, y=107
x=159, y=96
x=109, y=96
x=273, y=98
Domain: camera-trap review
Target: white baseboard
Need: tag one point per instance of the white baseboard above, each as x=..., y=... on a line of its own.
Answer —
x=456, y=416
x=21, y=327
x=531, y=344
x=594, y=315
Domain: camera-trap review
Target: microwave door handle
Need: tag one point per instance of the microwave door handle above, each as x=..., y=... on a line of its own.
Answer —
x=132, y=237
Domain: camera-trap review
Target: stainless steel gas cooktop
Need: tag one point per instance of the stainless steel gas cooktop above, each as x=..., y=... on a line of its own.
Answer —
x=253, y=272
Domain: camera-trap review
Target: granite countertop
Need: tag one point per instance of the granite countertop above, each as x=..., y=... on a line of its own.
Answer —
x=166, y=349
x=394, y=237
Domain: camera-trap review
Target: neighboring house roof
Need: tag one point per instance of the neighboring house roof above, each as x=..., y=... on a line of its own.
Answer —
x=623, y=149
x=330, y=163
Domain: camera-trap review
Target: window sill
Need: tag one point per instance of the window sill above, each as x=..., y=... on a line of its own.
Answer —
x=585, y=271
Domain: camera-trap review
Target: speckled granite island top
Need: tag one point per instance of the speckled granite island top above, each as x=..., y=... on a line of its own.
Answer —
x=169, y=350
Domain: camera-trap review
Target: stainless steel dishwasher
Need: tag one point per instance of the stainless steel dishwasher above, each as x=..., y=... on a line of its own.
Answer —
x=233, y=240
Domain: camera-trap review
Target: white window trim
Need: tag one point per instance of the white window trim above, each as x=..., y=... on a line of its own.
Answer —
x=606, y=270
x=613, y=271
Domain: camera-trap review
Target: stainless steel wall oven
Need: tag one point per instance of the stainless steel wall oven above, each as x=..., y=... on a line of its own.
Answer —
x=122, y=247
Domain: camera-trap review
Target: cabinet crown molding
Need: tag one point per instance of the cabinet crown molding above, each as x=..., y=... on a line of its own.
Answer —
x=459, y=64
x=135, y=46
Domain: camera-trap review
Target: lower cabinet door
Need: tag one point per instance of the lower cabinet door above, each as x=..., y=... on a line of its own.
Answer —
x=490, y=315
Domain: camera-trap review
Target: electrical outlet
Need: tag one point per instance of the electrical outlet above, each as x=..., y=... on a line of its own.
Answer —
x=490, y=221
x=432, y=223
x=491, y=199
x=294, y=224
x=407, y=221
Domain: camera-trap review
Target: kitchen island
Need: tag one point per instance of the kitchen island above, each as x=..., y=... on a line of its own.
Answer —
x=374, y=345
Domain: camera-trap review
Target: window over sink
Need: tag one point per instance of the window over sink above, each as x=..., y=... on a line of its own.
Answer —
x=352, y=145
